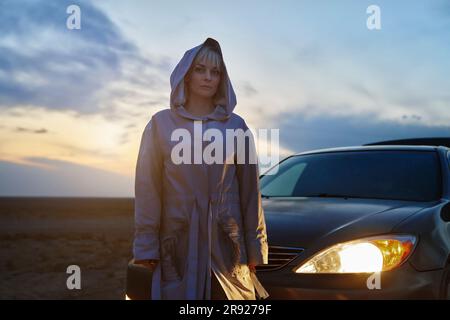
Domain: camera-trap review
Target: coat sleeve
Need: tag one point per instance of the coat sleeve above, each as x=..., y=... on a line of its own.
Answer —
x=148, y=192
x=252, y=211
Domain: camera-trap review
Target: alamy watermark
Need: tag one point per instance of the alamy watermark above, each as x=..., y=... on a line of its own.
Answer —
x=73, y=21
x=374, y=281
x=374, y=20
x=74, y=280
x=236, y=144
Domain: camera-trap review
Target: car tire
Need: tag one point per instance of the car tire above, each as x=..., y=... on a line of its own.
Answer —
x=138, y=282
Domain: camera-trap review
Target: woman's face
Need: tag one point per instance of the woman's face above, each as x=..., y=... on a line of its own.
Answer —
x=204, y=79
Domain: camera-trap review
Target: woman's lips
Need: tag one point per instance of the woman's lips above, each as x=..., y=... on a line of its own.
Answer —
x=206, y=87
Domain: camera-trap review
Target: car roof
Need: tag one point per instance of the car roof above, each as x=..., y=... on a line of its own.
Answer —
x=372, y=148
x=430, y=141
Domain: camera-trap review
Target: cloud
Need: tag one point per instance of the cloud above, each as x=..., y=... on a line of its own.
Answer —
x=124, y=138
x=42, y=63
x=309, y=55
x=301, y=133
x=247, y=89
x=61, y=178
x=74, y=151
x=21, y=129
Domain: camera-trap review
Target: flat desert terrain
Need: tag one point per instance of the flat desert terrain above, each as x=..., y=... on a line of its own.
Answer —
x=41, y=237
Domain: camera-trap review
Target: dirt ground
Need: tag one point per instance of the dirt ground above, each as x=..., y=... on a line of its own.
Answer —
x=41, y=237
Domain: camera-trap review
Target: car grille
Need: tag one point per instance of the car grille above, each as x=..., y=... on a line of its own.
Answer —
x=279, y=257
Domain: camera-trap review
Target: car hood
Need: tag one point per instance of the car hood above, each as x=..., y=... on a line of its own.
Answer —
x=315, y=222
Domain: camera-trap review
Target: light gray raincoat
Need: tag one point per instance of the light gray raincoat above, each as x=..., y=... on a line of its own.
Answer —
x=198, y=218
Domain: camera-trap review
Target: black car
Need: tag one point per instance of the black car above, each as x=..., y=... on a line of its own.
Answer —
x=366, y=222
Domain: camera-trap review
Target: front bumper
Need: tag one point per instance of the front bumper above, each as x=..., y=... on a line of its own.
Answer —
x=402, y=283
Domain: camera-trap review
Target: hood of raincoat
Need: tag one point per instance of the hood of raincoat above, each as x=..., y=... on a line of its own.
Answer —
x=225, y=98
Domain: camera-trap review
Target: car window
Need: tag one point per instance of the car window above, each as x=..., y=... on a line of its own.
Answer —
x=402, y=175
x=284, y=183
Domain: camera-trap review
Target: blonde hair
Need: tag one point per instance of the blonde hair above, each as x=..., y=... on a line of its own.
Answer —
x=208, y=54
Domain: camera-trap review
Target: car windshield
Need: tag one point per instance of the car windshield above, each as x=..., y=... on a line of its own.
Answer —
x=397, y=175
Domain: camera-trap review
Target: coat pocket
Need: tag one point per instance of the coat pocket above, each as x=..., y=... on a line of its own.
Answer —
x=175, y=236
x=230, y=222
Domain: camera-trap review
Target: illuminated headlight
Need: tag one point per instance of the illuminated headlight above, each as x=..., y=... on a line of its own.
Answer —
x=375, y=254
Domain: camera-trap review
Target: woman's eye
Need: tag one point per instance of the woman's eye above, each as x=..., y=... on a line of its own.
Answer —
x=203, y=70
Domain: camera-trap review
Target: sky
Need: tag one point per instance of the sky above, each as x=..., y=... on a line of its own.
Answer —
x=74, y=102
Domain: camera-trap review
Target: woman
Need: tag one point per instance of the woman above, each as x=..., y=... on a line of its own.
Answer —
x=196, y=224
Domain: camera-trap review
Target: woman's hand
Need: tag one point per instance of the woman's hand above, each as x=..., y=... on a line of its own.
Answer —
x=252, y=267
x=148, y=263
